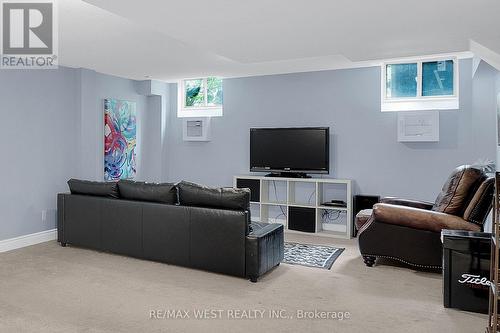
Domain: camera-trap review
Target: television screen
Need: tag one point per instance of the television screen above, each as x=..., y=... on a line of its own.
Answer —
x=302, y=150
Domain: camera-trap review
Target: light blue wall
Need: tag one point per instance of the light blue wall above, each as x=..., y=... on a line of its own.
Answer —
x=364, y=143
x=94, y=88
x=155, y=123
x=37, y=140
x=53, y=127
x=53, y=130
x=484, y=105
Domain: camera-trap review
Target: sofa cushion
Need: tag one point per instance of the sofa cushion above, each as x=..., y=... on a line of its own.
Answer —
x=480, y=205
x=458, y=190
x=191, y=194
x=87, y=187
x=163, y=193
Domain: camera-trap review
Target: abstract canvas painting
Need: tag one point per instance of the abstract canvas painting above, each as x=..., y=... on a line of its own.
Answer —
x=119, y=139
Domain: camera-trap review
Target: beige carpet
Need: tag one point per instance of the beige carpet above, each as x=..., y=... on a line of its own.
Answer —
x=47, y=288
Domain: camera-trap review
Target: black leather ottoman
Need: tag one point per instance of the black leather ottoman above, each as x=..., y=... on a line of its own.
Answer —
x=264, y=248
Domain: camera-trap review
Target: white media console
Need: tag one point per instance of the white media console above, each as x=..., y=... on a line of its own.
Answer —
x=299, y=203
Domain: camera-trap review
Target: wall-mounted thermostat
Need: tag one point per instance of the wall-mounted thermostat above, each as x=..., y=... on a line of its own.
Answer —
x=421, y=126
x=196, y=129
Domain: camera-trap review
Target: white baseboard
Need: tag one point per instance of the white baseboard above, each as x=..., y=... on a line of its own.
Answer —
x=27, y=240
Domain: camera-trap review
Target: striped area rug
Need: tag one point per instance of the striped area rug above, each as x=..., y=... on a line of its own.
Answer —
x=319, y=256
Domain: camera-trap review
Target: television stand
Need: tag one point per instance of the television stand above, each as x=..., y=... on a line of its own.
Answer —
x=299, y=203
x=288, y=175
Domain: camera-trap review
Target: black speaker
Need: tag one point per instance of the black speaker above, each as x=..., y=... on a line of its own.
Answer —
x=253, y=185
x=362, y=202
x=302, y=219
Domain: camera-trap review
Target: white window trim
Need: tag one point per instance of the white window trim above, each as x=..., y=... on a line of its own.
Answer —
x=195, y=111
x=420, y=103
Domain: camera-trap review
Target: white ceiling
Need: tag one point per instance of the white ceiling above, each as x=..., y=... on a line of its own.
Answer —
x=168, y=39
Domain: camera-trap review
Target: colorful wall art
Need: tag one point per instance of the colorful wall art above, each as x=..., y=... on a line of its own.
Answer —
x=119, y=139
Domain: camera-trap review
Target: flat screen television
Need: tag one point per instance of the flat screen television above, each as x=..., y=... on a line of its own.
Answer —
x=294, y=151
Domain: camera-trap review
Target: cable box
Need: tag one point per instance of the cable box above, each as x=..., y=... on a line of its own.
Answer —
x=335, y=203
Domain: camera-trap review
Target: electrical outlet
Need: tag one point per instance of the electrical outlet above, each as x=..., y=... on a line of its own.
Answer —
x=44, y=215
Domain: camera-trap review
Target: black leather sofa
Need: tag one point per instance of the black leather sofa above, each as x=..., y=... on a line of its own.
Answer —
x=188, y=225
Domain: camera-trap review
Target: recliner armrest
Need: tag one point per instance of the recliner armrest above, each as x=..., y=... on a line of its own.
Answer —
x=420, y=218
x=406, y=202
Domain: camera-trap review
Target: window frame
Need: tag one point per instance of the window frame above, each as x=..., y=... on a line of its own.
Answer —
x=197, y=111
x=419, y=102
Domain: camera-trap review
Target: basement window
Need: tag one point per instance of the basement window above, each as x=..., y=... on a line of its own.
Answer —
x=200, y=97
x=426, y=84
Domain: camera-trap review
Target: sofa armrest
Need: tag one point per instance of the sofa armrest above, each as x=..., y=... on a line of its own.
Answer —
x=60, y=218
x=264, y=248
x=406, y=202
x=420, y=218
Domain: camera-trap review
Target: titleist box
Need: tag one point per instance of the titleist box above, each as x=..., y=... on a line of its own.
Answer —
x=466, y=270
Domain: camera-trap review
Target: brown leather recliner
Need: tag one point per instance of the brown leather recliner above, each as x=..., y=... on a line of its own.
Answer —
x=409, y=231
